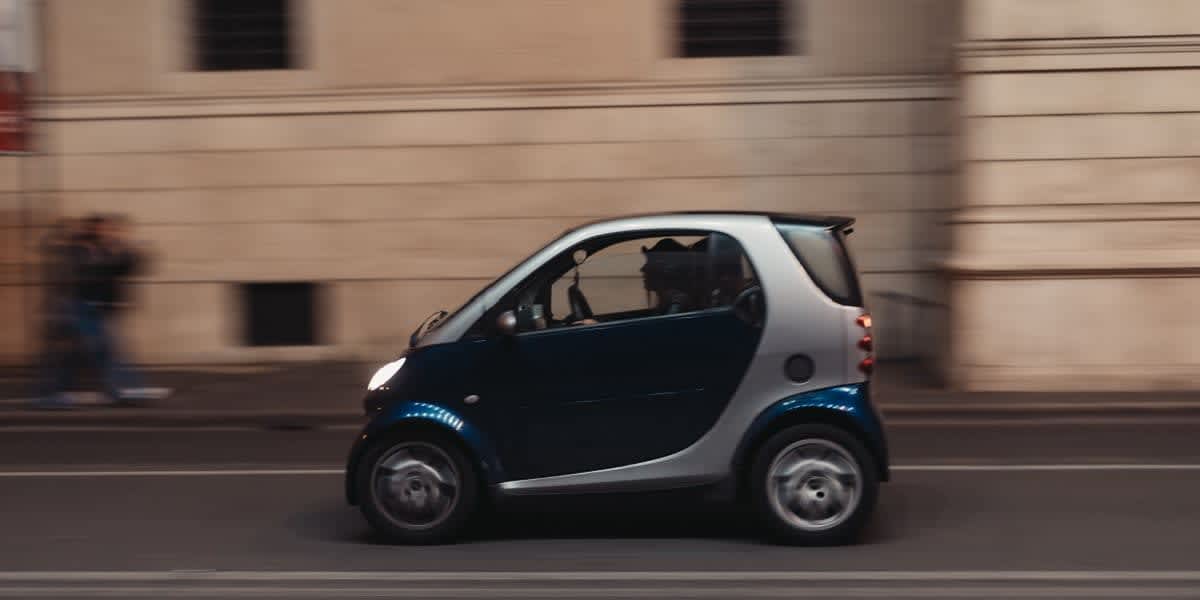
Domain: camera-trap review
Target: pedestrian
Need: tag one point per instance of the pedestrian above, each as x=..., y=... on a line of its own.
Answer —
x=60, y=331
x=113, y=261
x=103, y=261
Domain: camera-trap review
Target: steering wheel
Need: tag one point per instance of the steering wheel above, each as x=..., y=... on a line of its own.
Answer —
x=748, y=306
x=580, y=309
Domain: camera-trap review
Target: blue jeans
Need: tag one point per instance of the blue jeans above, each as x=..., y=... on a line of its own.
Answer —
x=93, y=328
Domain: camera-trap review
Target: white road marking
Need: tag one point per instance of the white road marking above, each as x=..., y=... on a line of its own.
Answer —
x=1050, y=467
x=62, y=577
x=557, y=592
x=893, y=422
x=603, y=584
x=326, y=471
x=1032, y=420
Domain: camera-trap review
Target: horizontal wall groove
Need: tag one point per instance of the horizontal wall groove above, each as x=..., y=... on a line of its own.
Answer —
x=148, y=281
x=1071, y=220
x=1138, y=113
x=335, y=220
x=336, y=186
x=1080, y=69
x=501, y=145
x=502, y=181
x=43, y=118
x=1084, y=158
x=1101, y=273
x=877, y=89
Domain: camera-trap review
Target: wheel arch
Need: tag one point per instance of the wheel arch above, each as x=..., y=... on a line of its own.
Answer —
x=804, y=415
x=464, y=438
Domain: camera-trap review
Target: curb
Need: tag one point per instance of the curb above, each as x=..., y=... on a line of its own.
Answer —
x=140, y=417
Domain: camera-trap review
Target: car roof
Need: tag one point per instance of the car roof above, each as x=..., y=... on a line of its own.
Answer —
x=826, y=221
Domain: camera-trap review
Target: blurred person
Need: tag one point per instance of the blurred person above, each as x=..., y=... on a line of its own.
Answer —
x=115, y=260
x=102, y=261
x=60, y=342
x=668, y=275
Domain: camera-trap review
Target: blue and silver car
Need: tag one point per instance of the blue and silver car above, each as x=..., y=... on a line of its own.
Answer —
x=723, y=352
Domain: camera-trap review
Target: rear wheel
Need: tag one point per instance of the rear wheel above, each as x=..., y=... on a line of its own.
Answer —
x=417, y=489
x=814, y=485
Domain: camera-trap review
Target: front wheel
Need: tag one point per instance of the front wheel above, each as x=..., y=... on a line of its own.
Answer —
x=814, y=485
x=417, y=489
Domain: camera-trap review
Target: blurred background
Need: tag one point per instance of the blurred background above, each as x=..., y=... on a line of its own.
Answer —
x=315, y=177
x=311, y=179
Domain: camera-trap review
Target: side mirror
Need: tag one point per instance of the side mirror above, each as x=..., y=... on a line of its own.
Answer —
x=506, y=323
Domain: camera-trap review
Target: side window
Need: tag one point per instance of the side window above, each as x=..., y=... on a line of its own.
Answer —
x=823, y=254
x=630, y=279
x=637, y=278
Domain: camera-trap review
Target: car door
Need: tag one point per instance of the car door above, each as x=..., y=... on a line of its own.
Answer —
x=635, y=386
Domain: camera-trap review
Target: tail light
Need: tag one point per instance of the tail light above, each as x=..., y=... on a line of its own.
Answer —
x=867, y=366
x=866, y=344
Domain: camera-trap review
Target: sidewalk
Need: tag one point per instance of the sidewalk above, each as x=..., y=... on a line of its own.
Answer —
x=324, y=394
x=292, y=395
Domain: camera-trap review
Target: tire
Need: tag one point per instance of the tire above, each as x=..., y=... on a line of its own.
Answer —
x=817, y=505
x=415, y=505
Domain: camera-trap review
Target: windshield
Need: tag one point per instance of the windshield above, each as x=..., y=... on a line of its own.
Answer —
x=432, y=324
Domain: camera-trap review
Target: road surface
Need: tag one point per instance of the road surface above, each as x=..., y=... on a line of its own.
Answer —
x=981, y=510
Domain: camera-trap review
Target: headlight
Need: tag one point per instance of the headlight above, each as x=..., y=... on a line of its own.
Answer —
x=384, y=374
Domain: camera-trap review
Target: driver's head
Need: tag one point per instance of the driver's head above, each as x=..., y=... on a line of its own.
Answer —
x=666, y=266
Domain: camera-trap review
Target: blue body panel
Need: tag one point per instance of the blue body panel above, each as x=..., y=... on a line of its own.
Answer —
x=429, y=390
x=572, y=399
x=589, y=398
x=846, y=403
x=441, y=418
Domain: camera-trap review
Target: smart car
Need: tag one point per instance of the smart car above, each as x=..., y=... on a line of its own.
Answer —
x=722, y=352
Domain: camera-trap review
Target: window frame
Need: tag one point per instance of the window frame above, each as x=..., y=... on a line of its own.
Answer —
x=485, y=326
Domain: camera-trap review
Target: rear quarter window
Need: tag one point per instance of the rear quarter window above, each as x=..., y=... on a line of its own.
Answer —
x=823, y=254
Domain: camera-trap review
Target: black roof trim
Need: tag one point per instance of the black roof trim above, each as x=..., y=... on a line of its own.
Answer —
x=828, y=221
x=831, y=221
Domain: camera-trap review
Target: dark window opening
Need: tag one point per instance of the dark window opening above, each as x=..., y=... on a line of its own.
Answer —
x=710, y=28
x=238, y=35
x=280, y=314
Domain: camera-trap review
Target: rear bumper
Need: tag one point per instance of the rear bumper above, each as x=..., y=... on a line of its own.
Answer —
x=877, y=433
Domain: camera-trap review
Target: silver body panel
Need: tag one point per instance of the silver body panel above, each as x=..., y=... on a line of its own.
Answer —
x=800, y=319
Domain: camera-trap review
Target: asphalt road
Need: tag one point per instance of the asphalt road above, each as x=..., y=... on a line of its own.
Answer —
x=983, y=511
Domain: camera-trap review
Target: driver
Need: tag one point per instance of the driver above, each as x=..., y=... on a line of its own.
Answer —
x=667, y=274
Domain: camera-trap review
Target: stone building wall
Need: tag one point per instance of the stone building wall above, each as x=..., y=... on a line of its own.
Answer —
x=421, y=148
x=1075, y=262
